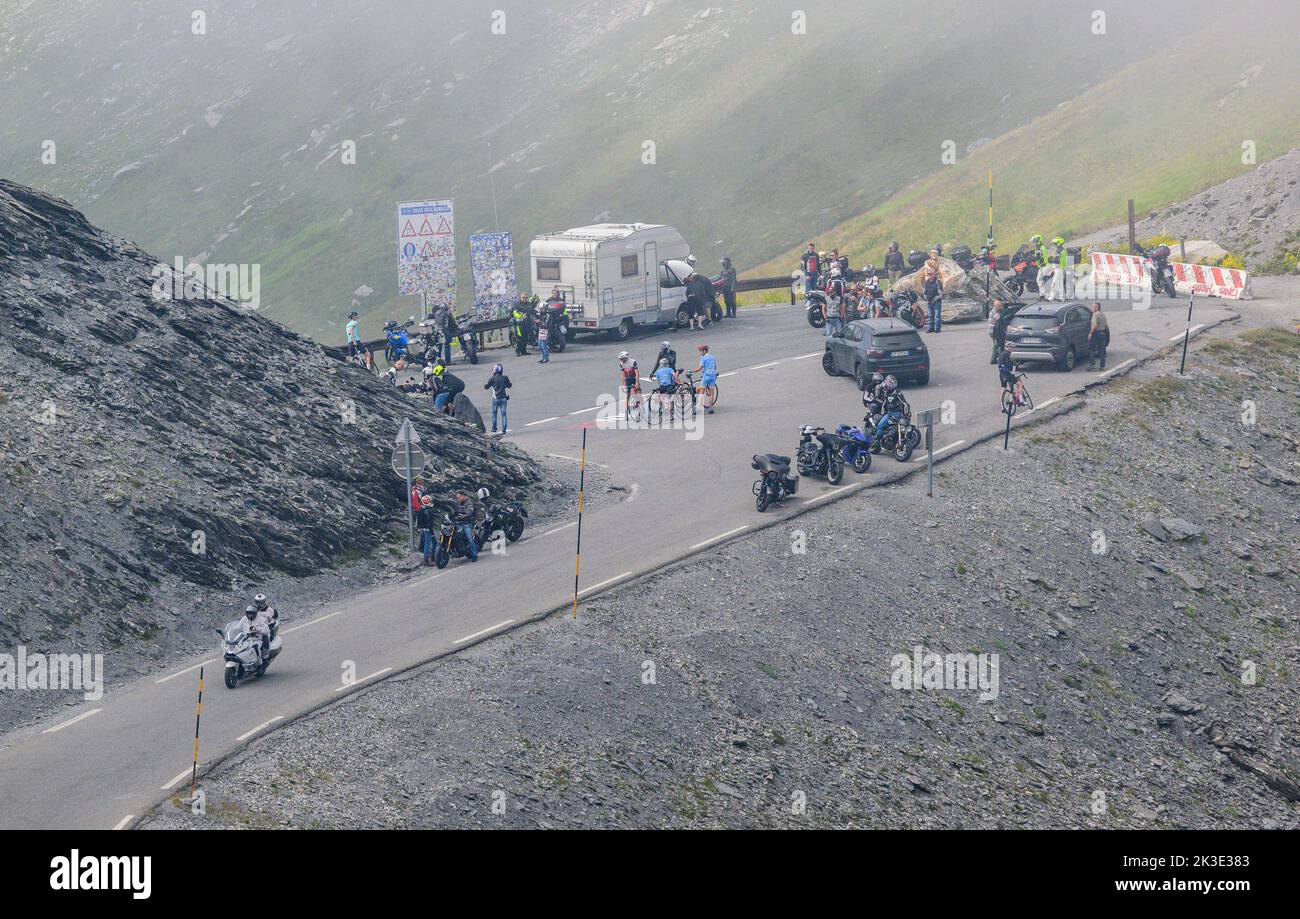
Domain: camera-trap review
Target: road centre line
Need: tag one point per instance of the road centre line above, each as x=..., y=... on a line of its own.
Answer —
x=481, y=632
x=363, y=679
x=543, y=421
x=173, y=676
x=804, y=357
x=71, y=721
x=761, y=366
x=264, y=724
x=720, y=536
x=313, y=622
x=583, y=411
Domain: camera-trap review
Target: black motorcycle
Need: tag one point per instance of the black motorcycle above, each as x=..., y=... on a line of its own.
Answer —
x=1024, y=271
x=509, y=519
x=1162, y=273
x=900, y=436
x=451, y=543
x=775, y=483
x=815, y=303
x=820, y=453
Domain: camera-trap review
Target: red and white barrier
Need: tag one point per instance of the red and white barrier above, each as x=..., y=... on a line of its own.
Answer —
x=1202, y=280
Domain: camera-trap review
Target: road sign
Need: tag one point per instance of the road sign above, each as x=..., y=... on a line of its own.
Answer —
x=408, y=461
x=407, y=434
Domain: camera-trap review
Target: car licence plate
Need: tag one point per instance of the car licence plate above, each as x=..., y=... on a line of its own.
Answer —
x=1031, y=341
x=899, y=353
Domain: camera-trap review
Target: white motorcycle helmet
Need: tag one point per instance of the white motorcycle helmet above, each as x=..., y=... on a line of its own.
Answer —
x=483, y=494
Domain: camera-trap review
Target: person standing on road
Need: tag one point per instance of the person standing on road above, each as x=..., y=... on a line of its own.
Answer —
x=442, y=323
x=729, y=286
x=426, y=524
x=933, y=292
x=464, y=514
x=894, y=263
x=997, y=330
x=519, y=324
x=811, y=268
x=543, y=342
x=499, y=383
x=418, y=491
x=835, y=304
x=1098, y=338
x=708, y=371
x=353, y=332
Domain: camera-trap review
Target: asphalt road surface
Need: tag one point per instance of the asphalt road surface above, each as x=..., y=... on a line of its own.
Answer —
x=103, y=764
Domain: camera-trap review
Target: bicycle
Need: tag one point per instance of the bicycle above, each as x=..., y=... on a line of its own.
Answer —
x=1017, y=397
x=685, y=388
x=632, y=403
x=708, y=395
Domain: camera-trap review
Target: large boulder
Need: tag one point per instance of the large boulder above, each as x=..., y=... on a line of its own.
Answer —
x=966, y=294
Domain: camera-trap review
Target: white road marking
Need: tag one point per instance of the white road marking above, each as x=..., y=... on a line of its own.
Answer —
x=943, y=449
x=804, y=357
x=1117, y=369
x=124, y=821
x=313, y=622
x=364, y=679
x=625, y=574
x=1049, y=402
x=1189, y=332
x=71, y=721
x=583, y=411
x=178, y=779
x=264, y=724
x=831, y=494
x=481, y=632
x=173, y=676
x=431, y=577
x=763, y=366
x=729, y=373
x=543, y=421
x=556, y=529
x=632, y=491
x=720, y=536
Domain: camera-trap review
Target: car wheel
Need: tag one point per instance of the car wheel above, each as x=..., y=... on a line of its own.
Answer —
x=683, y=317
x=864, y=379
x=1071, y=359
x=828, y=363
x=923, y=379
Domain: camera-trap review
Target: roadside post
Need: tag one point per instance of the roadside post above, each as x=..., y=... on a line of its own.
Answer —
x=407, y=460
x=198, y=712
x=582, y=479
x=926, y=420
x=1006, y=438
x=1182, y=365
x=1132, y=229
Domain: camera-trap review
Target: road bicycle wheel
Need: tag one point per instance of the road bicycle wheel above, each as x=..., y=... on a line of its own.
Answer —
x=1008, y=403
x=632, y=406
x=709, y=395
x=1026, y=401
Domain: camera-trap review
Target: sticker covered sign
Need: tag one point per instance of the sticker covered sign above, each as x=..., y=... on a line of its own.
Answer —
x=492, y=261
x=426, y=250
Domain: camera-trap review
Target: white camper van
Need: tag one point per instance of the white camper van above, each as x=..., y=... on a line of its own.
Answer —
x=614, y=276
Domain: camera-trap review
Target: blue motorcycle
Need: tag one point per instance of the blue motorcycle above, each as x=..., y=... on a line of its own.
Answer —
x=398, y=345
x=857, y=446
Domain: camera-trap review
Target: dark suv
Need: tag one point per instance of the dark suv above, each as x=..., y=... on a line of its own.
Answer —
x=868, y=345
x=1050, y=333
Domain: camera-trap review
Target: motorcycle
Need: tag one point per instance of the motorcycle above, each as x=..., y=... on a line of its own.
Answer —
x=507, y=519
x=459, y=329
x=451, y=543
x=819, y=454
x=816, y=304
x=775, y=483
x=857, y=446
x=900, y=436
x=397, y=342
x=1024, y=272
x=904, y=306
x=240, y=648
x=1161, y=272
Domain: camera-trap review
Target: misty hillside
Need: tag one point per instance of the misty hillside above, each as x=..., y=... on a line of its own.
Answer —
x=225, y=147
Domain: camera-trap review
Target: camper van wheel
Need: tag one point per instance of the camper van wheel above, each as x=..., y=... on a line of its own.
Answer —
x=623, y=332
x=683, y=317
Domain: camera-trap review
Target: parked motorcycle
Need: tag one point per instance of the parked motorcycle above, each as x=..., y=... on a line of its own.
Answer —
x=815, y=303
x=775, y=483
x=900, y=436
x=451, y=543
x=1024, y=271
x=397, y=342
x=240, y=648
x=508, y=519
x=857, y=446
x=904, y=305
x=1162, y=273
x=819, y=454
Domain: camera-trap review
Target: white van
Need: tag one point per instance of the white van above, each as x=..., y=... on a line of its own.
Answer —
x=614, y=276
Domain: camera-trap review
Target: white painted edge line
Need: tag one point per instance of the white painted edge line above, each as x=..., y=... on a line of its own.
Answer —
x=618, y=577
x=121, y=824
x=1117, y=369
x=763, y=366
x=481, y=632
x=944, y=449
x=264, y=724
x=1049, y=402
x=432, y=577
x=71, y=721
x=338, y=612
x=1192, y=331
x=176, y=781
x=720, y=536
x=364, y=679
x=583, y=411
x=834, y=492
x=804, y=357
x=172, y=676
x=563, y=526
x=543, y=421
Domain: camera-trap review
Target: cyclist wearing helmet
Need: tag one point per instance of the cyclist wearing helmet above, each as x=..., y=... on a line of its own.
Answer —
x=629, y=373
x=353, y=332
x=666, y=377
x=708, y=370
x=666, y=352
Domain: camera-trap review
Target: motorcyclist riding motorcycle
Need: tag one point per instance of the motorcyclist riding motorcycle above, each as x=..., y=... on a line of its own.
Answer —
x=891, y=407
x=264, y=607
x=259, y=624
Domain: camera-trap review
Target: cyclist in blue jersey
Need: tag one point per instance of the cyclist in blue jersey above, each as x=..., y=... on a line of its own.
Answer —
x=708, y=371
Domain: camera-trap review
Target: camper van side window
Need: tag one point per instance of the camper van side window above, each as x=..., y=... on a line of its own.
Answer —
x=548, y=269
x=631, y=266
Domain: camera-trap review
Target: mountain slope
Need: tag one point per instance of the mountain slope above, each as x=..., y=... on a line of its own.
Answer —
x=226, y=147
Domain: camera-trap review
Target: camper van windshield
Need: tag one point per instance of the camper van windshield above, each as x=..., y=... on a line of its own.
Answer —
x=672, y=273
